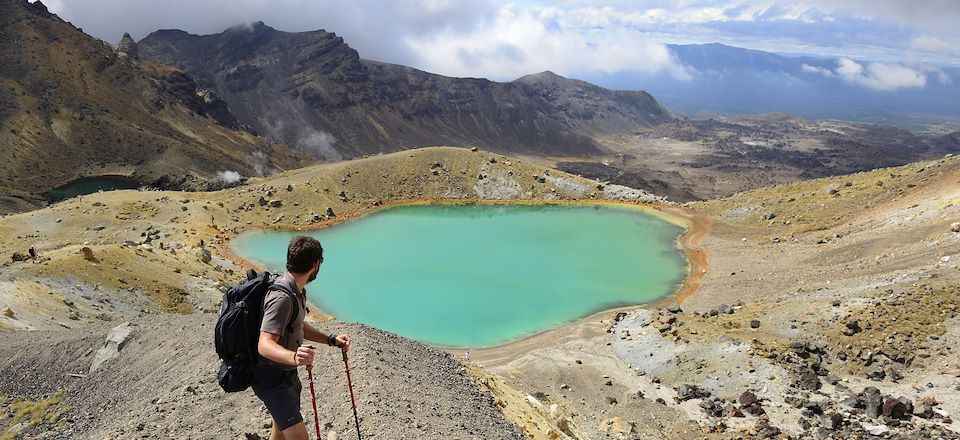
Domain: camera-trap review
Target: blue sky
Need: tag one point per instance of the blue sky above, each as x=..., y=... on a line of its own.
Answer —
x=506, y=39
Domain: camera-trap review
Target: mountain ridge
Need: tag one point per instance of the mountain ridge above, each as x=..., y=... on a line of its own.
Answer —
x=312, y=90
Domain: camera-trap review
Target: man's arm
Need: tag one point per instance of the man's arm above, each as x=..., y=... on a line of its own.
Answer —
x=311, y=333
x=316, y=335
x=269, y=348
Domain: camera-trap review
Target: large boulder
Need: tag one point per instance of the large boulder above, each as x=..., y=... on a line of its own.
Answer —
x=896, y=408
x=873, y=402
x=690, y=391
x=204, y=255
x=87, y=253
x=808, y=380
x=117, y=338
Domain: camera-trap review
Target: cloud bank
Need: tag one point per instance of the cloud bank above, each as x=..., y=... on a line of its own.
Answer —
x=880, y=76
x=503, y=39
x=519, y=41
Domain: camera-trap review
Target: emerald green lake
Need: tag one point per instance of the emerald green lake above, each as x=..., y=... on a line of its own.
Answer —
x=483, y=275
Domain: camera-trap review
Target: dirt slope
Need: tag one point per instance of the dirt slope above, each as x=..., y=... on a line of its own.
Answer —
x=163, y=385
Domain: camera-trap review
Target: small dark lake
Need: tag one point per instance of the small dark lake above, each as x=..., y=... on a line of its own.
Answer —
x=90, y=185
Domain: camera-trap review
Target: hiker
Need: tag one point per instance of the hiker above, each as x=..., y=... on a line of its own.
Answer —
x=274, y=378
x=33, y=254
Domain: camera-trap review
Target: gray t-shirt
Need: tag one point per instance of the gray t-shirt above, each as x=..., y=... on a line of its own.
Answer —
x=277, y=314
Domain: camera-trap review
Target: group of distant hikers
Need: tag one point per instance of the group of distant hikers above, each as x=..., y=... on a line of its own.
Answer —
x=260, y=336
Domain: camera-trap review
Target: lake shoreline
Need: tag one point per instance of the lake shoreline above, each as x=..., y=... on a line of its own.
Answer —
x=696, y=226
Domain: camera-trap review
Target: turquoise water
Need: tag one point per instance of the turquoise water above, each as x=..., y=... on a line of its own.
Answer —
x=481, y=275
x=90, y=185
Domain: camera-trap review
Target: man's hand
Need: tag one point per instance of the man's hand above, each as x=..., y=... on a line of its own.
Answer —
x=304, y=355
x=343, y=341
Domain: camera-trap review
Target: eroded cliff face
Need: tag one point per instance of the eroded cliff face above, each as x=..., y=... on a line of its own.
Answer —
x=311, y=90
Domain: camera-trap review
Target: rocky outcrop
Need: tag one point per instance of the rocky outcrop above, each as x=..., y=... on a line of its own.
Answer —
x=116, y=339
x=202, y=102
x=128, y=48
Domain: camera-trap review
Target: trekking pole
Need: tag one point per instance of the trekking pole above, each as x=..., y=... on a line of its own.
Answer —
x=313, y=397
x=353, y=401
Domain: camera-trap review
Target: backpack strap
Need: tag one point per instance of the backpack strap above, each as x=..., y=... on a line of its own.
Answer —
x=296, y=302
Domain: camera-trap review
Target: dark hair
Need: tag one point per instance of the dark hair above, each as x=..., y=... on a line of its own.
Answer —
x=302, y=253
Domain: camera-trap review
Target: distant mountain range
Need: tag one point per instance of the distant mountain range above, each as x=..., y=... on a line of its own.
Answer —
x=311, y=90
x=178, y=110
x=733, y=80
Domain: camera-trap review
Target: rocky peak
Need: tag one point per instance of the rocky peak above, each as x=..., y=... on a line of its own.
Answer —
x=546, y=75
x=34, y=7
x=549, y=82
x=37, y=6
x=255, y=27
x=128, y=47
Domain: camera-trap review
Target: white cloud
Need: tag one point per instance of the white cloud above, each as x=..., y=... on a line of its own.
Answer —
x=519, y=41
x=930, y=43
x=923, y=14
x=817, y=70
x=880, y=76
x=938, y=73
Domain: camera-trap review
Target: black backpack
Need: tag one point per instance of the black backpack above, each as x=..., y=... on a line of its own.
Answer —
x=238, y=328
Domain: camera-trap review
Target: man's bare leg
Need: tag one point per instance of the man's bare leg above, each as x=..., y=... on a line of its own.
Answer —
x=295, y=432
x=275, y=433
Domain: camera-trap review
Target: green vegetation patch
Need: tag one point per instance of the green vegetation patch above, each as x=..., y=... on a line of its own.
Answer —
x=137, y=210
x=33, y=412
x=172, y=300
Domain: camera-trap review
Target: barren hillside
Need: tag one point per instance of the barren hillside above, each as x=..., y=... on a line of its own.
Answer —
x=72, y=106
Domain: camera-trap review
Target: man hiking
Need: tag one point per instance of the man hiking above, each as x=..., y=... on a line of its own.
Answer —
x=274, y=377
